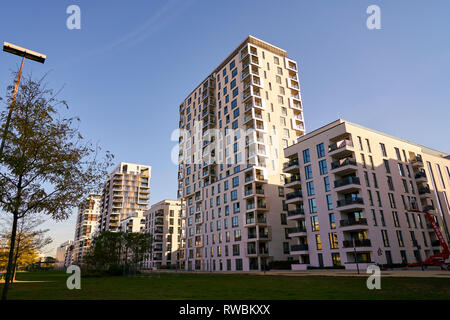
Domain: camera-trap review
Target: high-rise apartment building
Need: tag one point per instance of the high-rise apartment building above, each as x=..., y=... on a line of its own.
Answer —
x=163, y=222
x=86, y=224
x=233, y=128
x=126, y=190
x=352, y=192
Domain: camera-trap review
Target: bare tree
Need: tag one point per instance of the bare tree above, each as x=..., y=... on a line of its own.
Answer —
x=47, y=166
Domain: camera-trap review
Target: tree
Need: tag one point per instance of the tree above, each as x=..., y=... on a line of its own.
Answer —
x=116, y=252
x=29, y=242
x=47, y=165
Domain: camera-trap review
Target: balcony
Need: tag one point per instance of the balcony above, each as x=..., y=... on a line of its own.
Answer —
x=417, y=161
x=296, y=231
x=351, y=183
x=291, y=166
x=295, y=104
x=421, y=176
x=298, y=249
x=291, y=181
x=340, y=148
x=435, y=243
x=294, y=197
x=354, y=224
x=295, y=214
x=356, y=243
x=344, y=166
x=424, y=192
x=350, y=204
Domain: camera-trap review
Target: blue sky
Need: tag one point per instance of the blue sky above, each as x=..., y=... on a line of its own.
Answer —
x=132, y=63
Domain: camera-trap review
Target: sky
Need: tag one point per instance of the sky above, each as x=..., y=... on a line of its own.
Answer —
x=132, y=63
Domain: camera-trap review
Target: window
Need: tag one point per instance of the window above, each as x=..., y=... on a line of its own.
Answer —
x=386, y=165
x=397, y=153
x=392, y=200
x=374, y=217
x=332, y=221
x=280, y=191
x=395, y=217
x=360, y=144
x=383, y=149
x=235, y=223
x=375, y=181
x=329, y=202
x=400, y=238
x=323, y=167
x=385, y=238
x=320, y=150
x=400, y=169
x=233, y=195
x=312, y=205
x=235, y=183
x=306, y=156
x=326, y=182
x=310, y=188
x=390, y=183
x=318, y=242
x=383, y=222
x=308, y=172
x=236, y=249
x=333, y=240
x=368, y=145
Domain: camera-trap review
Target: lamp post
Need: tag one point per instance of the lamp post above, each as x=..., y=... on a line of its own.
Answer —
x=24, y=53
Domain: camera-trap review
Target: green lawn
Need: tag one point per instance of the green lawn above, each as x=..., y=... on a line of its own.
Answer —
x=227, y=287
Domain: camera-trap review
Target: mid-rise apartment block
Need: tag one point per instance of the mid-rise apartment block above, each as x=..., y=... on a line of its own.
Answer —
x=353, y=192
x=126, y=190
x=233, y=128
x=134, y=222
x=163, y=222
x=86, y=224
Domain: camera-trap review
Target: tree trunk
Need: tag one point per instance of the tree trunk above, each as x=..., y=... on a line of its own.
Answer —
x=11, y=256
x=16, y=257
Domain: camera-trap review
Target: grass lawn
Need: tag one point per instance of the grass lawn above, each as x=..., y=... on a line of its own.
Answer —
x=169, y=286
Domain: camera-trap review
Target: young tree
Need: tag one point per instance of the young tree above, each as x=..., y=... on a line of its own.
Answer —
x=47, y=166
x=29, y=241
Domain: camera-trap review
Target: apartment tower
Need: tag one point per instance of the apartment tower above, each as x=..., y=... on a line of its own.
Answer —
x=126, y=190
x=87, y=221
x=352, y=192
x=163, y=222
x=233, y=128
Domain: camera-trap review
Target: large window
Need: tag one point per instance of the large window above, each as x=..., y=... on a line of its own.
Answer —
x=320, y=150
x=323, y=167
x=308, y=172
x=306, y=156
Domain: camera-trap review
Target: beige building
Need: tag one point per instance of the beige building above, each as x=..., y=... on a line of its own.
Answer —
x=134, y=222
x=163, y=222
x=127, y=189
x=86, y=224
x=351, y=190
x=233, y=128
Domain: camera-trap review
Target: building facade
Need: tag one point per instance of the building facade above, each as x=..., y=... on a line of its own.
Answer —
x=63, y=256
x=134, y=222
x=163, y=222
x=351, y=191
x=87, y=222
x=233, y=128
x=126, y=190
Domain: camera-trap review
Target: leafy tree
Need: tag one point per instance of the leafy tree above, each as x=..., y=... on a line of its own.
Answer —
x=47, y=166
x=115, y=251
x=29, y=242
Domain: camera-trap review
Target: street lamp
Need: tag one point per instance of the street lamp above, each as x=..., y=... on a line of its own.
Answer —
x=24, y=53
